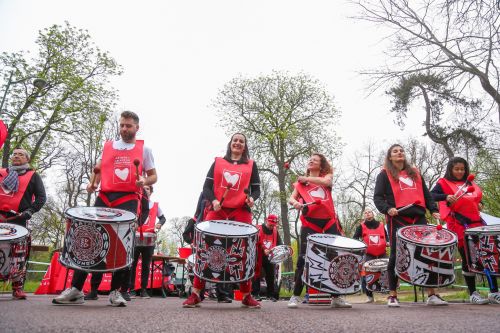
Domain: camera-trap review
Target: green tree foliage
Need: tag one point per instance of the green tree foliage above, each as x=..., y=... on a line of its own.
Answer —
x=76, y=73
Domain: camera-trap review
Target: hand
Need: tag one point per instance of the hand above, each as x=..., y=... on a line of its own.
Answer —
x=90, y=188
x=392, y=212
x=436, y=215
x=297, y=205
x=249, y=201
x=216, y=205
x=141, y=182
x=266, y=251
x=451, y=199
x=302, y=179
x=480, y=206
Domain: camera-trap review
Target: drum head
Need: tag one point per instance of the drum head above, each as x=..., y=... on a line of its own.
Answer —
x=99, y=214
x=376, y=265
x=336, y=241
x=484, y=230
x=427, y=235
x=10, y=231
x=226, y=228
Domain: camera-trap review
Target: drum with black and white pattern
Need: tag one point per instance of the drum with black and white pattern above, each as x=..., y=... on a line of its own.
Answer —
x=14, y=242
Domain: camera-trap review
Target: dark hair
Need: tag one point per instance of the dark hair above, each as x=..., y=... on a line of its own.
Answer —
x=325, y=167
x=246, y=152
x=130, y=115
x=451, y=163
x=390, y=169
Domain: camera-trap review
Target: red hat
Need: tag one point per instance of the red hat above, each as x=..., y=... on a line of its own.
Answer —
x=272, y=219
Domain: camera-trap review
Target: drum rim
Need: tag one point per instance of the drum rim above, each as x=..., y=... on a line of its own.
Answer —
x=68, y=216
x=16, y=239
x=93, y=270
x=219, y=281
x=335, y=246
x=329, y=291
x=400, y=237
x=427, y=285
x=100, y=222
x=378, y=259
x=256, y=231
x=481, y=231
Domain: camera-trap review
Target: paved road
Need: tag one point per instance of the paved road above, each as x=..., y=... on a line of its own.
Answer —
x=166, y=315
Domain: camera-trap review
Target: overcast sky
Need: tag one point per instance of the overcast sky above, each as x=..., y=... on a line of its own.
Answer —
x=177, y=55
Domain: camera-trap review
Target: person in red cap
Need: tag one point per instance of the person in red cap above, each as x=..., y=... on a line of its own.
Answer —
x=269, y=237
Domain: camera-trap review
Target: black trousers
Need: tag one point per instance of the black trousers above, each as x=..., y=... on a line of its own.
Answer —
x=121, y=277
x=146, y=253
x=270, y=273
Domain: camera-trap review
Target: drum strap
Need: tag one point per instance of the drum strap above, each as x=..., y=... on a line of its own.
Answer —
x=314, y=227
x=119, y=201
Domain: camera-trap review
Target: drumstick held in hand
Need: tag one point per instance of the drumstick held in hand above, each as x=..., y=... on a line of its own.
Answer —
x=315, y=202
x=470, y=189
x=417, y=202
x=228, y=187
x=136, y=163
x=469, y=180
x=287, y=167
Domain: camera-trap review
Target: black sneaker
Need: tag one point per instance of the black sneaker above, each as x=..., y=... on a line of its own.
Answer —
x=126, y=296
x=144, y=293
x=92, y=295
x=224, y=299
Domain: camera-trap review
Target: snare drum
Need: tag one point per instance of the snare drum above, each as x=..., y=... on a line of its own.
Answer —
x=332, y=263
x=279, y=253
x=377, y=279
x=13, y=250
x=148, y=239
x=98, y=239
x=424, y=255
x=482, y=248
x=225, y=251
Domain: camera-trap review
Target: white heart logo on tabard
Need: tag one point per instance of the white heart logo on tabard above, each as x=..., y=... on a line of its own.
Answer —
x=231, y=178
x=122, y=173
x=318, y=193
x=374, y=239
x=407, y=181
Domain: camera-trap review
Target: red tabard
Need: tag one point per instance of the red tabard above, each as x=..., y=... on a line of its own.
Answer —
x=238, y=175
x=374, y=239
x=9, y=200
x=268, y=241
x=149, y=225
x=468, y=205
x=311, y=193
x=406, y=190
x=118, y=169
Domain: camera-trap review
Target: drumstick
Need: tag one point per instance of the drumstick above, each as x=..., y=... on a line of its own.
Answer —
x=136, y=163
x=97, y=170
x=470, y=189
x=228, y=187
x=315, y=202
x=469, y=180
x=417, y=202
x=287, y=167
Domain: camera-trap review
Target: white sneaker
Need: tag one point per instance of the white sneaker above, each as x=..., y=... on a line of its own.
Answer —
x=494, y=298
x=294, y=301
x=339, y=302
x=436, y=300
x=70, y=296
x=476, y=298
x=370, y=299
x=116, y=299
x=392, y=302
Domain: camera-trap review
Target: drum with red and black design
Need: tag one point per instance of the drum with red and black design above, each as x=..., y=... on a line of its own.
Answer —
x=14, y=243
x=332, y=264
x=98, y=239
x=424, y=255
x=376, y=275
x=226, y=251
x=482, y=248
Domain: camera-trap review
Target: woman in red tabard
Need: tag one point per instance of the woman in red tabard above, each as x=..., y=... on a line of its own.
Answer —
x=316, y=186
x=460, y=214
x=398, y=185
x=230, y=175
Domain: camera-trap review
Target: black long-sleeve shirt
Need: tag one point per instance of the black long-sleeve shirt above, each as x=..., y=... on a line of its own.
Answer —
x=383, y=197
x=208, y=187
x=34, y=189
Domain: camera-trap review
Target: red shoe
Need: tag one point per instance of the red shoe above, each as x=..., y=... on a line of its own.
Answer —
x=18, y=294
x=193, y=301
x=249, y=302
